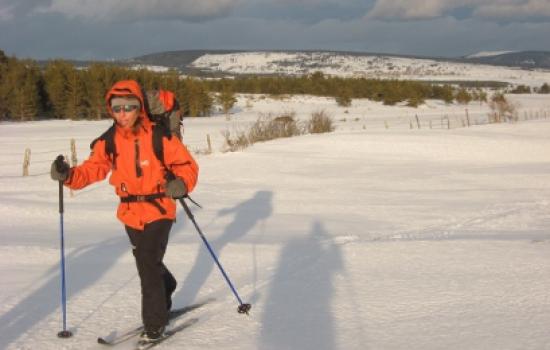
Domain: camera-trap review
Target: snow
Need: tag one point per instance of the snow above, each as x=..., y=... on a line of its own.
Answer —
x=488, y=54
x=364, y=238
x=152, y=68
x=365, y=66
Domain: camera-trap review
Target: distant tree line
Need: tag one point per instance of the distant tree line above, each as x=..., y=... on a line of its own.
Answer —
x=389, y=92
x=524, y=89
x=59, y=90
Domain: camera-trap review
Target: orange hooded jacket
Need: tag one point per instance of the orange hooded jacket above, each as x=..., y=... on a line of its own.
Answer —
x=135, y=150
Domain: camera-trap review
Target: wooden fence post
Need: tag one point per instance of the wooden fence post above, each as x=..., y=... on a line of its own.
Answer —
x=74, y=159
x=26, y=162
x=467, y=117
x=417, y=121
x=209, y=143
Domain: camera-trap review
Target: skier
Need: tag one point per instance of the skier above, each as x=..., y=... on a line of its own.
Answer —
x=147, y=187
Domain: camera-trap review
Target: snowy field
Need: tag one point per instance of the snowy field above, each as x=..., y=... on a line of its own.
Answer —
x=365, y=238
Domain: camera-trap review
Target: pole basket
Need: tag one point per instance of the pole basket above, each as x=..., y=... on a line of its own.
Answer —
x=244, y=308
x=64, y=334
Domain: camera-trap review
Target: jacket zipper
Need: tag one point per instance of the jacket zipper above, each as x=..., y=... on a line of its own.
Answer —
x=138, y=167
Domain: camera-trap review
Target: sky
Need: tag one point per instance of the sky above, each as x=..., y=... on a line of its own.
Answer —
x=108, y=29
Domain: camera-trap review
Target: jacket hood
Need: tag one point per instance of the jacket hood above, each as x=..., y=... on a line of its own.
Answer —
x=125, y=88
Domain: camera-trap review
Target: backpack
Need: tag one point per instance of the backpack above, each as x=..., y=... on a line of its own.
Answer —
x=162, y=108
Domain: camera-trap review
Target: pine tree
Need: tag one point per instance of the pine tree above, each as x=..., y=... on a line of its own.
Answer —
x=3, y=58
x=5, y=86
x=196, y=98
x=226, y=98
x=75, y=107
x=462, y=96
x=56, y=76
x=343, y=96
x=24, y=100
x=444, y=93
x=96, y=84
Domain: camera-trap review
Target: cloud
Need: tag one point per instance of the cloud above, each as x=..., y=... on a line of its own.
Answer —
x=407, y=9
x=511, y=10
x=304, y=11
x=10, y=9
x=6, y=13
x=277, y=26
x=135, y=10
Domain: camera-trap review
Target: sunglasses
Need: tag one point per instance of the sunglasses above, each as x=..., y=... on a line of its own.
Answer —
x=126, y=108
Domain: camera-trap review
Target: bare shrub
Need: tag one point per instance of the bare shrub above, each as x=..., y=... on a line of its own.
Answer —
x=501, y=109
x=319, y=122
x=265, y=128
x=268, y=127
x=343, y=97
x=236, y=142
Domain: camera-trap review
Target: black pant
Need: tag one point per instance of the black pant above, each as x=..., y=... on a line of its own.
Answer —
x=157, y=283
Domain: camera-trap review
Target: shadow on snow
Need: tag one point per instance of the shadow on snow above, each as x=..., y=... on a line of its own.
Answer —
x=84, y=267
x=298, y=308
x=246, y=215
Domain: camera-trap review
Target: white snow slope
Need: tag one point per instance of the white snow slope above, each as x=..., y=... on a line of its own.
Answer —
x=379, y=67
x=364, y=238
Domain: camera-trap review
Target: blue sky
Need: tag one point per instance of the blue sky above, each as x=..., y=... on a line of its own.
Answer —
x=104, y=29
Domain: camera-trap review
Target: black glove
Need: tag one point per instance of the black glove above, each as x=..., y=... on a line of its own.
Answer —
x=60, y=169
x=176, y=188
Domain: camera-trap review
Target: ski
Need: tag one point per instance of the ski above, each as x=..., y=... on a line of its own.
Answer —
x=115, y=338
x=168, y=334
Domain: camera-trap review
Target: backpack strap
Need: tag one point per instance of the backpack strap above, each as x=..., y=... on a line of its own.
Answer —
x=110, y=148
x=159, y=133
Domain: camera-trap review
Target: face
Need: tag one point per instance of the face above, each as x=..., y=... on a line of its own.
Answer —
x=126, y=115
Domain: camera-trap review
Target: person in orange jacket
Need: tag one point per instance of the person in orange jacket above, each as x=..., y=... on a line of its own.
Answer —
x=147, y=208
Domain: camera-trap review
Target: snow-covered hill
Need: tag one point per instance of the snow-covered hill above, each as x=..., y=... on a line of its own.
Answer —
x=383, y=67
x=488, y=54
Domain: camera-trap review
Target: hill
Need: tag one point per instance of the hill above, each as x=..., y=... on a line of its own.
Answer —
x=527, y=67
x=183, y=59
x=523, y=59
x=511, y=67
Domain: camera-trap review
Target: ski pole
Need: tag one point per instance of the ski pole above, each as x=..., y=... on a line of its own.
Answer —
x=243, y=308
x=61, y=167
